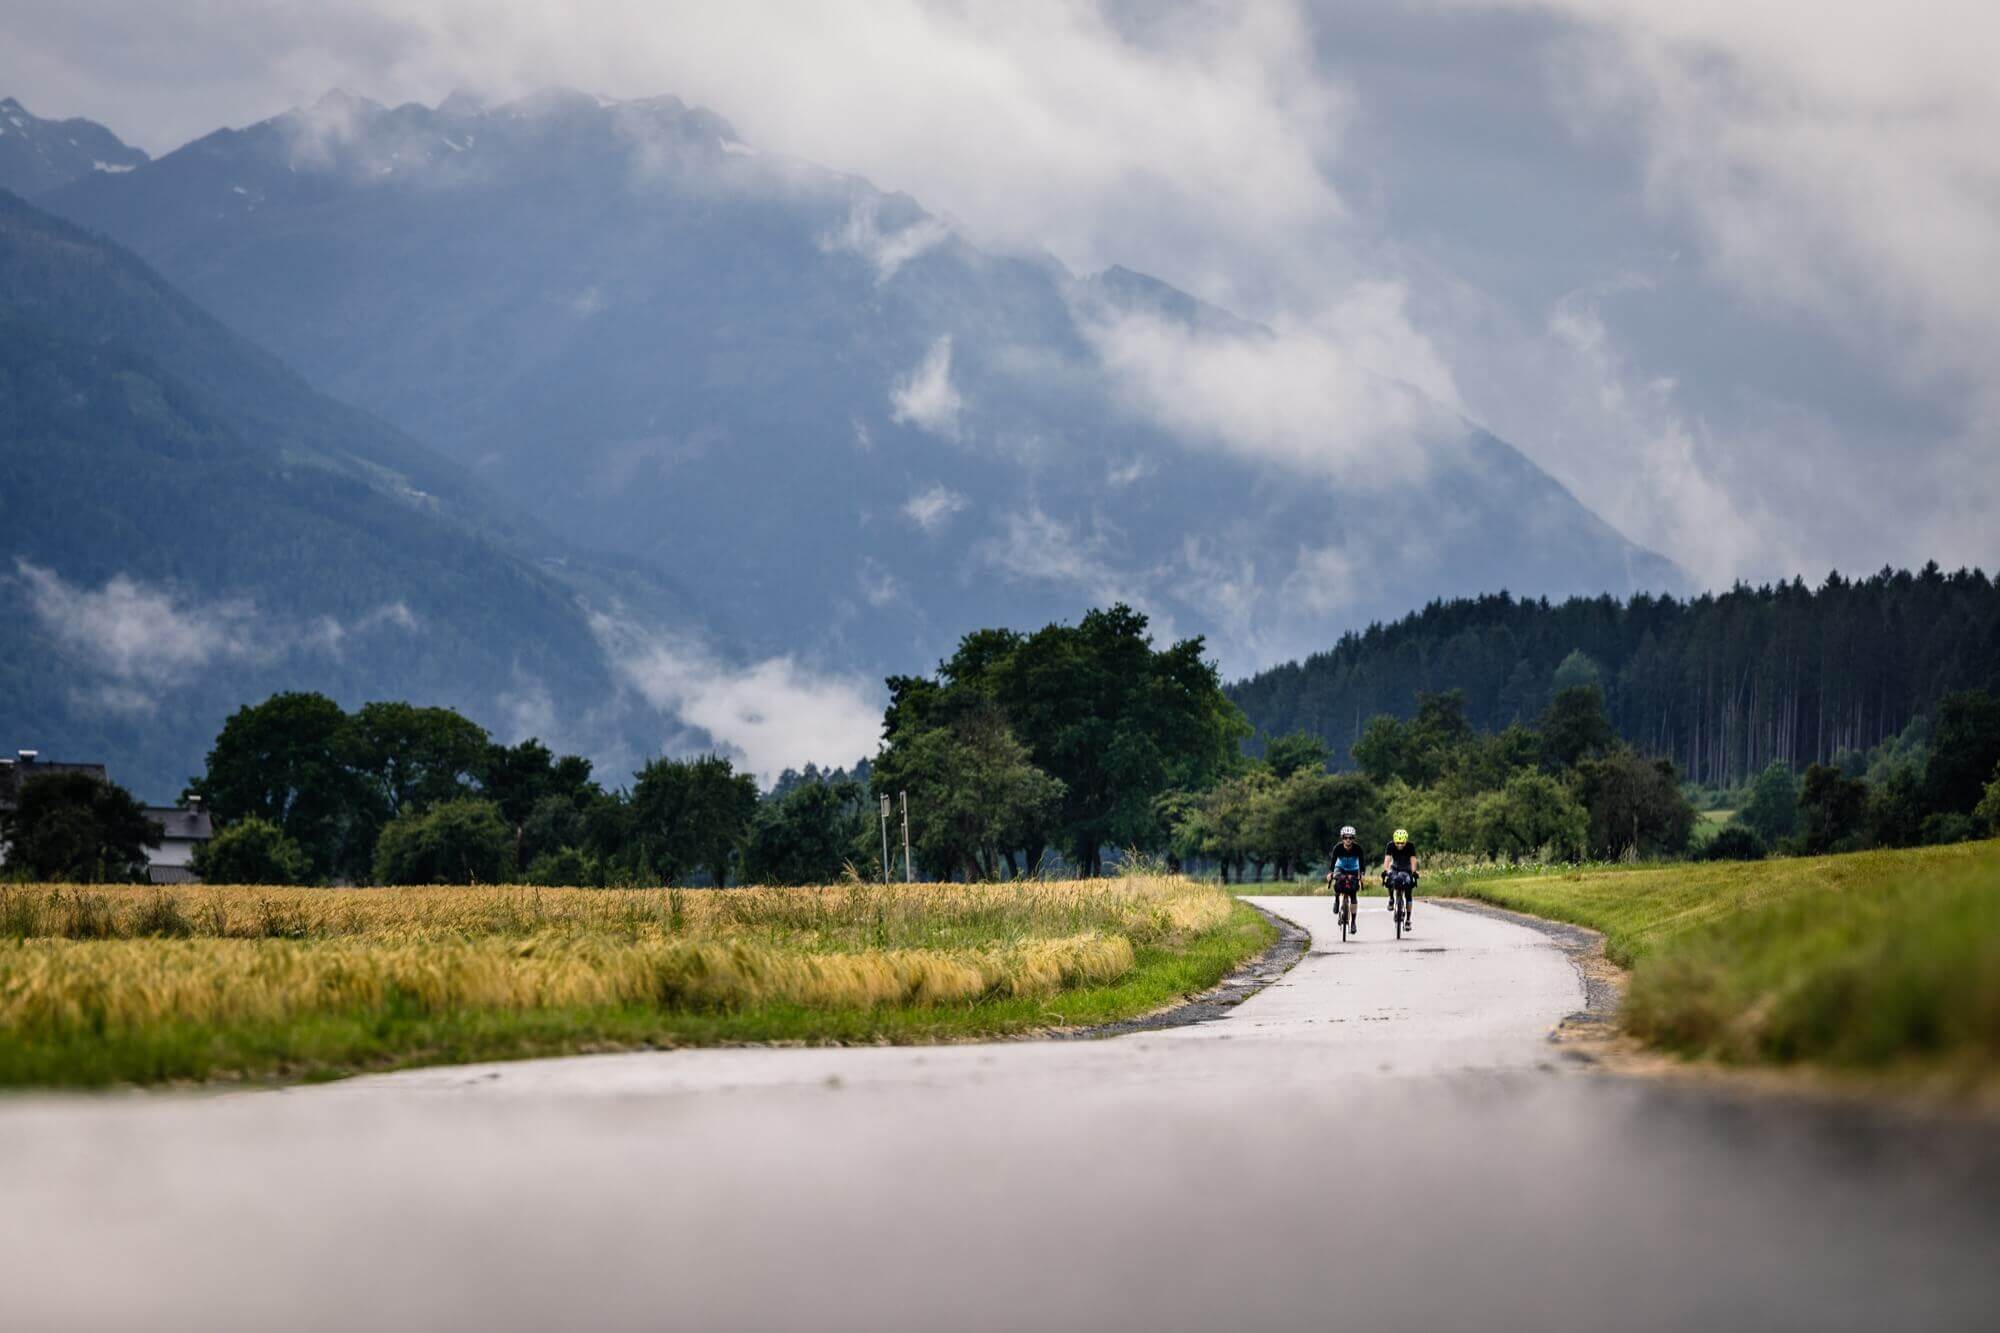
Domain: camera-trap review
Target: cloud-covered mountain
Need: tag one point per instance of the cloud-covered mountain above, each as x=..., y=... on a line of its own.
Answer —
x=854, y=431
x=186, y=525
x=37, y=155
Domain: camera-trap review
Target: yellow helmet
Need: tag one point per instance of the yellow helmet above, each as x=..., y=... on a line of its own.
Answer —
x=1402, y=835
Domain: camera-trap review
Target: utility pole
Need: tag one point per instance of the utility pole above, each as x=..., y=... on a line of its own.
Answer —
x=885, y=838
x=906, y=836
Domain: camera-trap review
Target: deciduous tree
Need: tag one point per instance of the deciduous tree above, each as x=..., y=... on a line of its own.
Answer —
x=1636, y=806
x=77, y=827
x=1772, y=812
x=691, y=814
x=281, y=761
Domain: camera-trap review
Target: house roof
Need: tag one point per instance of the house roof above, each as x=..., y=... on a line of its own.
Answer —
x=13, y=772
x=181, y=824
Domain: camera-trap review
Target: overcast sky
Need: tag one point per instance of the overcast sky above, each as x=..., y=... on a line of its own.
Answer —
x=1731, y=271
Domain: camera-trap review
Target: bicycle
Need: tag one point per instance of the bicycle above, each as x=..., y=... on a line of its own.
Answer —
x=1399, y=884
x=1347, y=904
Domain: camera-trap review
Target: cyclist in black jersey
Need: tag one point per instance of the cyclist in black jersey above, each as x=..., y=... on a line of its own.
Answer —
x=1401, y=856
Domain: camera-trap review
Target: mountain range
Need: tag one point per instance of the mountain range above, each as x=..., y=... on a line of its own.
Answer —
x=190, y=526
x=763, y=408
x=38, y=155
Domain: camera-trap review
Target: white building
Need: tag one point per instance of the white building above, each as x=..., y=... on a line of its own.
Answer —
x=184, y=827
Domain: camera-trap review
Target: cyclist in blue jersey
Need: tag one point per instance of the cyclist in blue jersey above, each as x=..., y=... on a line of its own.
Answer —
x=1345, y=877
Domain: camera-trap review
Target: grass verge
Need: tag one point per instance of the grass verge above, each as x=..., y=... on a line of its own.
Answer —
x=131, y=985
x=1873, y=962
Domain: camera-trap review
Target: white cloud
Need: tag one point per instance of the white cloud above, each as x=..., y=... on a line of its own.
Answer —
x=769, y=715
x=1037, y=546
x=1839, y=157
x=1356, y=393
x=531, y=711
x=1041, y=121
x=135, y=633
x=861, y=234
x=932, y=507
x=925, y=397
x=878, y=586
x=147, y=638
x=1324, y=580
x=1127, y=472
x=1835, y=165
x=1653, y=472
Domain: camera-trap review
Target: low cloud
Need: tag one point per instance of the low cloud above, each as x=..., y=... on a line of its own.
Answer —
x=147, y=639
x=879, y=587
x=1128, y=472
x=1839, y=157
x=1653, y=472
x=769, y=715
x=1039, y=547
x=861, y=234
x=925, y=397
x=1355, y=394
x=933, y=507
x=1323, y=580
x=1830, y=168
x=136, y=633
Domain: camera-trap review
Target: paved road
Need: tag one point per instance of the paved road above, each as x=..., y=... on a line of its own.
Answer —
x=1377, y=1141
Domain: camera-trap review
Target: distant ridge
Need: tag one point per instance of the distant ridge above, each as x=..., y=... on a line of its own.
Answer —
x=861, y=435
x=186, y=526
x=39, y=155
x=1722, y=683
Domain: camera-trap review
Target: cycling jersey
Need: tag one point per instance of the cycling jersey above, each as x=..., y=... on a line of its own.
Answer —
x=1347, y=860
x=1402, y=858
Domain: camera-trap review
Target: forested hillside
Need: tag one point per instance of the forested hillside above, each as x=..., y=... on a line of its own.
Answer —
x=186, y=524
x=1721, y=684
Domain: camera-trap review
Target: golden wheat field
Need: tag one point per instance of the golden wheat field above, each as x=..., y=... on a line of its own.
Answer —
x=93, y=962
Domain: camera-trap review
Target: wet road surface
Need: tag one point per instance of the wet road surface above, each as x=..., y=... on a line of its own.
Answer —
x=1380, y=1140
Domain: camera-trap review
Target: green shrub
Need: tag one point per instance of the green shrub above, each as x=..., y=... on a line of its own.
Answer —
x=566, y=867
x=454, y=842
x=1942, y=830
x=1733, y=842
x=252, y=851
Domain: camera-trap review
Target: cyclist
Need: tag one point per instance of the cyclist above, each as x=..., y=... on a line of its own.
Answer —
x=1345, y=875
x=1399, y=858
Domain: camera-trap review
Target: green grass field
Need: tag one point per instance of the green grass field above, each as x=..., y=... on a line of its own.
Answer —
x=1708, y=823
x=1875, y=961
x=131, y=985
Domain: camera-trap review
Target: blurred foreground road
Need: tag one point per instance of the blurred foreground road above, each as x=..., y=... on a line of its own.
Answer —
x=1378, y=1141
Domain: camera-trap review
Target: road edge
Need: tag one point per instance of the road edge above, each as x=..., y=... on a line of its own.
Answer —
x=1278, y=958
x=1593, y=1038
x=1589, y=1034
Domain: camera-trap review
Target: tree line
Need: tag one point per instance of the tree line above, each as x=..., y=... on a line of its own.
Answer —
x=1723, y=684
x=1021, y=755
x=305, y=792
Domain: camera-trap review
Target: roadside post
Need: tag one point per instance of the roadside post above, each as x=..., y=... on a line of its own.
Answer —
x=885, y=837
x=907, y=876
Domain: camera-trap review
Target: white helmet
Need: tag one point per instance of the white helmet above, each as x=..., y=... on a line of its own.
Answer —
x=1347, y=830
